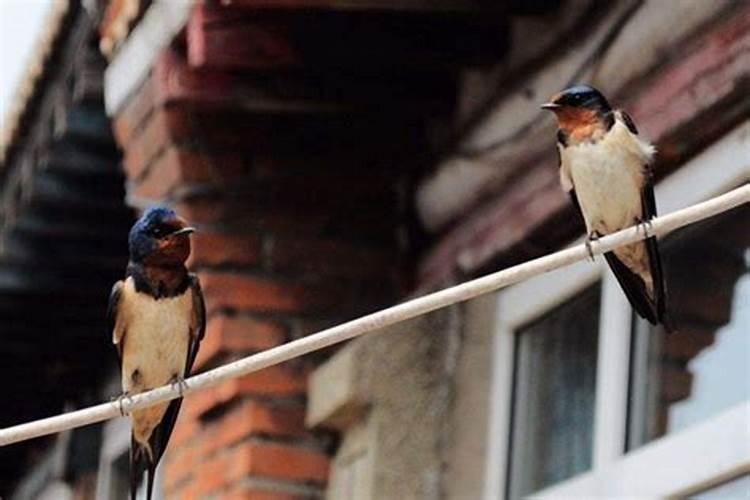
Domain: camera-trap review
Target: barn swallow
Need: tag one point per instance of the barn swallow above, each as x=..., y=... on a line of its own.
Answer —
x=606, y=169
x=157, y=318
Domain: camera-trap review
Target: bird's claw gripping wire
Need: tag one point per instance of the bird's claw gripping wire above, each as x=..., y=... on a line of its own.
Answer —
x=646, y=226
x=181, y=385
x=592, y=237
x=119, y=399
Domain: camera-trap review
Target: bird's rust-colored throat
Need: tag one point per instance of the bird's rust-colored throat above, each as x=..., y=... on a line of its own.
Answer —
x=165, y=269
x=581, y=124
x=173, y=250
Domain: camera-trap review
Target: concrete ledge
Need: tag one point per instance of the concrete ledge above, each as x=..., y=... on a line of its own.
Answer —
x=334, y=400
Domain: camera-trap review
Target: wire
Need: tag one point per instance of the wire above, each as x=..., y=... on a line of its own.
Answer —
x=378, y=320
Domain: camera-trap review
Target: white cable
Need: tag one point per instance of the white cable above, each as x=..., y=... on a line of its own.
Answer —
x=378, y=320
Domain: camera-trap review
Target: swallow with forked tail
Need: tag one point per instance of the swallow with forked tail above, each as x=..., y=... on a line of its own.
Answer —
x=157, y=319
x=606, y=169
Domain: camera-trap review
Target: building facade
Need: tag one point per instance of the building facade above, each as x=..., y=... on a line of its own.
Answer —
x=339, y=157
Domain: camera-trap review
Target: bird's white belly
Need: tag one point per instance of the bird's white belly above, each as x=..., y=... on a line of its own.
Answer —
x=156, y=342
x=155, y=347
x=607, y=182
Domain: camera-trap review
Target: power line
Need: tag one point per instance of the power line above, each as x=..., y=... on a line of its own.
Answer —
x=379, y=320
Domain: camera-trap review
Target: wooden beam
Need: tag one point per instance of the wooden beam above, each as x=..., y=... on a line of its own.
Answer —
x=222, y=38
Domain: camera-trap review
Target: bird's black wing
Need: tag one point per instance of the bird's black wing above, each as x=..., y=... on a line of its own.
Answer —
x=634, y=288
x=114, y=303
x=628, y=121
x=648, y=209
x=199, y=323
x=651, y=308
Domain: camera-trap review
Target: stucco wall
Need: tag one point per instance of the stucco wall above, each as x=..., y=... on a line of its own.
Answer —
x=404, y=380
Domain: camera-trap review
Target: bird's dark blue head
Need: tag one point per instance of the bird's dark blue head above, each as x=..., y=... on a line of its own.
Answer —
x=159, y=237
x=581, y=97
x=583, y=115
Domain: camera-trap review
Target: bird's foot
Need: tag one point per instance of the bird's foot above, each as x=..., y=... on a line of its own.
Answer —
x=180, y=383
x=646, y=226
x=592, y=237
x=125, y=396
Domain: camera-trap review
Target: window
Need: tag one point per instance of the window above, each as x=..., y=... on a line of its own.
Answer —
x=554, y=387
x=589, y=400
x=704, y=367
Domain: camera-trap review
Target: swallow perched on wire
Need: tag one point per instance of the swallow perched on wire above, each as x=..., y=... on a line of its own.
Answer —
x=157, y=316
x=606, y=169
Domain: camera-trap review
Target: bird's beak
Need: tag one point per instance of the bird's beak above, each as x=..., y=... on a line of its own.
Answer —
x=550, y=106
x=184, y=230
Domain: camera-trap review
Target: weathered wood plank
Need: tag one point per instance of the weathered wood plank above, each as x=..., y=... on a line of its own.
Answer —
x=684, y=106
x=515, y=131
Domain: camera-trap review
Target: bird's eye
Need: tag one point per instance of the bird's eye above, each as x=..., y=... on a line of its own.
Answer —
x=156, y=232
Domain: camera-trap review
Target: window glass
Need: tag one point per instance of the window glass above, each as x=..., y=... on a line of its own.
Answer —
x=553, y=395
x=702, y=368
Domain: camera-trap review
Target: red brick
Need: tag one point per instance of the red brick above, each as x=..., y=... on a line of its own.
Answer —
x=174, y=80
x=202, y=402
x=188, y=492
x=254, y=418
x=141, y=151
x=224, y=290
x=222, y=43
x=276, y=380
x=278, y=461
x=165, y=126
x=129, y=121
x=181, y=464
x=202, y=211
x=258, y=494
x=244, y=214
x=176, y=167
x=238, y=335
x=216, y=249
x=329, y=258
x=212, y=475
x=185, y=428
x=205, y=448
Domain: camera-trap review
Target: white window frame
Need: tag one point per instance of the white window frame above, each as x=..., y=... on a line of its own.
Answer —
x=721, y=441
x=115, y=444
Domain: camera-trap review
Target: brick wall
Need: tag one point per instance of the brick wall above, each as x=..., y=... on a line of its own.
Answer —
x=294, y=235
